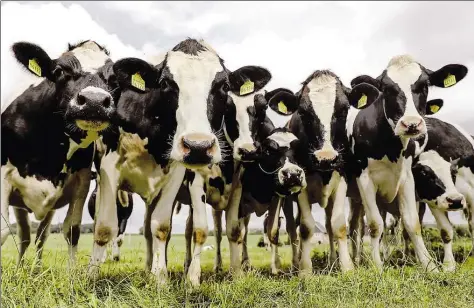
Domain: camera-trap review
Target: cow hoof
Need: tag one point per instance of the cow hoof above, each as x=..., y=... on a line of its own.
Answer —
x=116, y=258
x=449, y=267
x=93, y=272
x=218, y=269
x=161, y=277
x=194, y=274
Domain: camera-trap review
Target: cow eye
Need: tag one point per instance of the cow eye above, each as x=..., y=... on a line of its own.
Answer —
x=225, y=87
x=58, y=73
x=166, y=84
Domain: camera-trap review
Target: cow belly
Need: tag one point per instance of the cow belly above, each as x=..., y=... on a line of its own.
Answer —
x=40, y=196
x=319, y=192
x=388, y=175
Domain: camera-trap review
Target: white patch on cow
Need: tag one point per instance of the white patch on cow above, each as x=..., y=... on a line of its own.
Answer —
x=194, y=76
x=90, y=56
x=242, y=103
x=387, y=175
x=322, y=94
x=283, y=139
x=405, y=71
x=208, y=248
x=442, y=170
x=156, y=59
x=351, y=116
x=85, y=143
x=38, y=195
x=96, y=90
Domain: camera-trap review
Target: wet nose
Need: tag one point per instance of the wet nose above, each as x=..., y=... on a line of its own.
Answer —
x=198, y=148
x=94, y=98
x=325, y=155
x=455, y=203
x=412, y=125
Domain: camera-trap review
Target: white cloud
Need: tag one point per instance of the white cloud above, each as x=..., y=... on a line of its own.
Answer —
x=291, y=39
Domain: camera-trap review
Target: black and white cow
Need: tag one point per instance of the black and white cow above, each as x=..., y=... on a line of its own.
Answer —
x=48, y=134
x=382, y=143
x=319, y=122
x=171, y=118
x=124, y=211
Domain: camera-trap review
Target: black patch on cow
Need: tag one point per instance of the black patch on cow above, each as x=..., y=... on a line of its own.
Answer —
x=189, y=176
x=428, y=185
x=326, y=177
x=203, y=198
x=217, y=183
x=73, y=234
x=410, y=150
x=190, y=46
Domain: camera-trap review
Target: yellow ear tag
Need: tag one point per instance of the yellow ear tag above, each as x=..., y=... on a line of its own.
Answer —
x=34, y=67
x=282, y=107
x=138, y=82
x=434, y=108
x=362, y=101
x=247, y=87
x=449, y=81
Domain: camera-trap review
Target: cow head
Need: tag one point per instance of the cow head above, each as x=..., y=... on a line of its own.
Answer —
x=246, y=95
x=278, y=157
x=323, y=103
x=189, y=91
x=85, y=86
x=404, y=85
x=435, y=182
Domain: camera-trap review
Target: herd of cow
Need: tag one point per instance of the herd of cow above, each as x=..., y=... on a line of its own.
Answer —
x=184, y=129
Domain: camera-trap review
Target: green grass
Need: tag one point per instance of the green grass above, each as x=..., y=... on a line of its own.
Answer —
x=126, y=284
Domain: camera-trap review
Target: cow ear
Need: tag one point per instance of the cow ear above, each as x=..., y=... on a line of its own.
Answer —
x=34, y=58
x=365, y=79
x=448, y=75
x=248, y=79
x=136, y=74
x=282, y=101
x=363, y=95
x=433, y=106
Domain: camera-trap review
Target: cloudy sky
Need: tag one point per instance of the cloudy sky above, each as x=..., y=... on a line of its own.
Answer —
x=291, y=39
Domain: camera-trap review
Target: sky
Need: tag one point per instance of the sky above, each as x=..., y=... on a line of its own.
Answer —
x=291, y=39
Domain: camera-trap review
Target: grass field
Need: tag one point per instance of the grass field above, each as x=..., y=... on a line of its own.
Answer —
x=126, y=284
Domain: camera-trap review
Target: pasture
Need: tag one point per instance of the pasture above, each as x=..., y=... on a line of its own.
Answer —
x=126, y=284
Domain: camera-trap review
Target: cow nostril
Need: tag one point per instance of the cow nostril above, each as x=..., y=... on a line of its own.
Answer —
x=107, y=102
x=81, y=99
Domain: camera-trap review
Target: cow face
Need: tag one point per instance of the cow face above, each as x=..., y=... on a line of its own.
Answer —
x=85, y=86
x=323, y=104
x=246, y=94
x=404, y=85
x=434, y=182
x=193, y=83
x=278, y=156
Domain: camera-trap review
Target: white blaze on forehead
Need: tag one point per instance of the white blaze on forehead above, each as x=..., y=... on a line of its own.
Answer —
x=282, y=138
x=194, y=76
x=322, y=94
x=242, y=103
x=405, y=71
x=440, y=167
x=90, y=56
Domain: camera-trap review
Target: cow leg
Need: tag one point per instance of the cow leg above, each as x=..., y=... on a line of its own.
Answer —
x=106, y=220
x=291, y=230
x=41, y=235
x=330, y=231
x=368, y=196
x=148, y=236
x=188, y=236
x=200, y=229
x=276, y=263
x=356, y=229
x=72, y=222
x=384, y=245
x=245, y=253
x=116, y=244
x=411, y=222
x=160, y=223
x=470, y=217
x=266, y=241
x=217, y=216
x=338, y=225
x=446, y=229
x=5, y=196
x=23, y=232
x=307, y=226
x=234, y=225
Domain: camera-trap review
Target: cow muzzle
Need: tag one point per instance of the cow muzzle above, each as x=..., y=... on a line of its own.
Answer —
x=92, y=109
x=410, y=126
x=198, y=149
x=326, y=159
x=291, y=179
x=452, y=202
